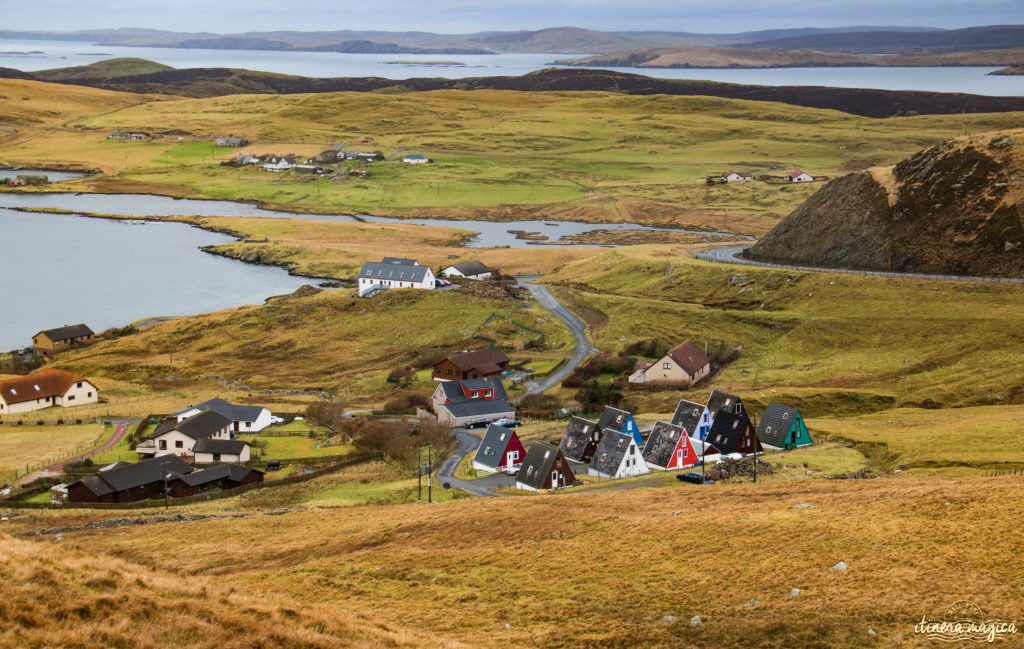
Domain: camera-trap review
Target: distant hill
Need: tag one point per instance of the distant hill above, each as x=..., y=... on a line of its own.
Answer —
x=952, y=209
x=210, y=82
x=106, y=70
x=733, y=57
x=992, y=37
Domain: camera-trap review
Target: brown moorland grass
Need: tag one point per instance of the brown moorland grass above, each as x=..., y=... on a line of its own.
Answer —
x=604, y=569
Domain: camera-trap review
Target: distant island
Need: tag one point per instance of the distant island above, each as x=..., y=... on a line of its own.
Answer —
x=439, y=63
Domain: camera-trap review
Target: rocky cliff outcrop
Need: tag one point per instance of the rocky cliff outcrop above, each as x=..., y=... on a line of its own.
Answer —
x=951, y=209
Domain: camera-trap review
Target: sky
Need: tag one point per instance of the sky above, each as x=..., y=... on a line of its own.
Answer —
x=464, y=16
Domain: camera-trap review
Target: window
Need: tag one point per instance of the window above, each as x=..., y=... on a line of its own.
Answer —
x=216, y=457
x=71, y=397
x=488, y=451
x=448, y=372
x=547, y=454
x=785, y=415
x=501, y=438
x=89, y=395
x=604, y=456
x=767, y=429
x=79, y=384
x=179, y=444
x=163, y=445
x=666, y=366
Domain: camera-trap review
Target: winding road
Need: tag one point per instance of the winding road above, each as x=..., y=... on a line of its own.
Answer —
x=483, y=487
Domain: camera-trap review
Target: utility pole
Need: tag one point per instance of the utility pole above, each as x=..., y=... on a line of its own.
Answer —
x=419, y=473
x=430, y=482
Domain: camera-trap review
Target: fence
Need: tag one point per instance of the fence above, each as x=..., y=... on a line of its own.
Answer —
x=188, y=500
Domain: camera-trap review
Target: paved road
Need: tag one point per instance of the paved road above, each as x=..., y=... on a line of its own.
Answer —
x=727, y=254
x=121, y=428
x=483, y=487
x=579, y=334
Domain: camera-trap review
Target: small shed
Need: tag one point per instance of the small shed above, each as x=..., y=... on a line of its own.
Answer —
x=782, y=427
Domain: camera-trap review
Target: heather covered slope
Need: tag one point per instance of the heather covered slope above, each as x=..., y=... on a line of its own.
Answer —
x=950, y=209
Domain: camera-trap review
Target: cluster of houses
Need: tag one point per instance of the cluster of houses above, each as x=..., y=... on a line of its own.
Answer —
x=206, y=433
x=795, y=176
x=614, y=447
x=396, y=272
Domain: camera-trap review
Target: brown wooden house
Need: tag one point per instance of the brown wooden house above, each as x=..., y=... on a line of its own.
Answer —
x=125, y=482
x=62, y=338
x=216, y=477
x=544, y=468
x=479, y=364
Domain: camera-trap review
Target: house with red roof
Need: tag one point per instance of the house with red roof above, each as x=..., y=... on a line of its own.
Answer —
x=44, y=389
x=798, y=176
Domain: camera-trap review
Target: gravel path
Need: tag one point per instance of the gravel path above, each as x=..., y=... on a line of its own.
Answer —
x=579, y=333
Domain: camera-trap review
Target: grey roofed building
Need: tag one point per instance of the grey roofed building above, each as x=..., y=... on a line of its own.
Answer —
x=580, y=439
x=223, y=446
x=480, y=408
x=610, y=451
x=68, y=332
x=377, y=270
x=229, y=410
x=613, y=418
x=724, y=401
x=453, y=391
x=471, y=268
x=492, y=447
x=687, y=415
x=124, y=476
x=732, y=433
x=229, y=141
x=662, y=443
x=399, y=260
x=777, y=423
x=541, y=458
x=205, y=424
x=235, y=472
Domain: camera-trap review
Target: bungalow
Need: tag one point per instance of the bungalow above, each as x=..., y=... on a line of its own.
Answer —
x=782, y=427
x=457, y=403
x=798, y=176
x=244, y=419
x=416, y=159
x=669, y=447
x=124, y=482
x=179, y=438
x=217, y=477
x=736, y=176
x=51, y=341
x=544, y=468
x=230, y=141
x=246, y=159
x=685, y=364
x=716, y=402
x=733, y=433
x=688, y=416
x=467, y=269
x=277, y=164
x=617, y=456
x=208, y=450
x=580, y=439
x=393, y=272
x=45, y=388
x=500, y=449
x=308, y=169
x=621, y=422
x=129, y=136
x=479, y=364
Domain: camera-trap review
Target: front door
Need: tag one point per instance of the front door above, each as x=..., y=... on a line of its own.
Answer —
x=510, y=458
x=236, y=427
x=679, y=458
x=554, y=479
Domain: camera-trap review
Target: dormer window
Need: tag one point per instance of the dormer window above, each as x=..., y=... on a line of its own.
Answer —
x=736, y=424
x=785, y=415
x=14, y=392
x=547, y=454
x=501, y=438
x=37, y=388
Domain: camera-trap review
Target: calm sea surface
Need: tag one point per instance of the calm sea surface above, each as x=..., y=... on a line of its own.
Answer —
x=39, y=55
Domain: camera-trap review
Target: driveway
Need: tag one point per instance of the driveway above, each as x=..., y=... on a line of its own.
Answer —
x=483, y=487
x=579, y=334
x=121, y=428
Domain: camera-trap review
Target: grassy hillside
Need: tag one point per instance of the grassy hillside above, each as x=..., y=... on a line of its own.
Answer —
x=591, y=570
x=499, y=154
x=106, y=69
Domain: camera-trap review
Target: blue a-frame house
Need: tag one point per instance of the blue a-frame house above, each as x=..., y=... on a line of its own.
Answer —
x=622, y=422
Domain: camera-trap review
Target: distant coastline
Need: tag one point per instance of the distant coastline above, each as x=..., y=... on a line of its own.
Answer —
x=425, y=63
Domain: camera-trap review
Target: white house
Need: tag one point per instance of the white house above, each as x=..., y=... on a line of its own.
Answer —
x=393, y=272
x=416, y=159
x=44, y=389
x=279, y=163
x=736, y=176
x=231, y=451
x=617, y=456
x=246, y=159
x=179, y=438
x=467, y=269
x=244, y=419
x=798, y=176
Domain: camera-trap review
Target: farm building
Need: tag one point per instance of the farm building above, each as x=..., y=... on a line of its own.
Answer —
x=669, y=447
x=544, y=468
x=736, y=176
x=732, y=433
x=45, y=388
x=782, y=427
x=479, y=364
x=230, y=141
x=467, y=269
x=580, y=439
x=620, y=421
x=617, y=456
x=66, y=337
x=500, y=449
x=685, y=364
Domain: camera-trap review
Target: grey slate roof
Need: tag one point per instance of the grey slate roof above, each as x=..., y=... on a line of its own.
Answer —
x=128, y=476
x=480, y=408
x=727, y=431
x=578, y=441
x=775, y=424
x=492, y=447
x=662, y=442
x=205, y=424
x=688, y=416
x=399, y=260
x=540, y=457
x=225, y=446
x=231, y=411
x=68, y=332
x=453, y=389
x=235, y=472
x=610, y=451
x=470, y=268
x=613, y=418
x=396, y=272
x=723, y=401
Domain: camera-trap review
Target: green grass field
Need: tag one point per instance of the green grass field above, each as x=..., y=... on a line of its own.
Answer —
x=32, y=446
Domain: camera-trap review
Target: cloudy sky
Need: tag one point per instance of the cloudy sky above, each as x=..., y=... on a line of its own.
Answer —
x=461, y=16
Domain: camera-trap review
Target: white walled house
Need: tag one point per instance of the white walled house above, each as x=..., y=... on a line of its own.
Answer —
x=467, y=269
x=393, y=272
x=279, y=163
x=617, y=456
x=244, y=419
x=736, y=176
x=798, y=176
x=231, y=451
x=44, y=389
x=179, y=438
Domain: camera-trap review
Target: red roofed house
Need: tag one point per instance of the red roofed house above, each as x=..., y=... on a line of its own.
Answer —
x=685, y=364
x=479, y=364
x=43, y=389
x=798, y=176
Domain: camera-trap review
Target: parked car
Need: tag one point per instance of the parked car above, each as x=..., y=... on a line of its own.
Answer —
x=512, y=470
x=273, y=465
x=506, y=422
x=479, y=422
x=694, y=477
